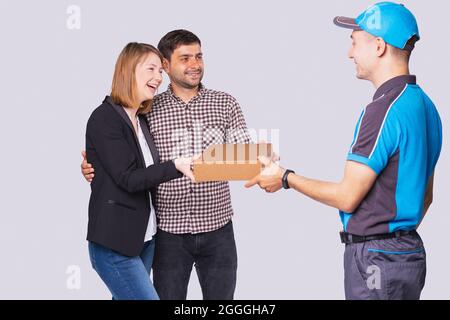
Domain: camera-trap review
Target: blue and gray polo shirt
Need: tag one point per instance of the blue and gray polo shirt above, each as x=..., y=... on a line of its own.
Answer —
x=399, y=136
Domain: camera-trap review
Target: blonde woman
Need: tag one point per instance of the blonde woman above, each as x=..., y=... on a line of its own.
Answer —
x=122, y=221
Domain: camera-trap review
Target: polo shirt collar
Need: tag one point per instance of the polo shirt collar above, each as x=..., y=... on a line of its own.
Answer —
x=399, y=81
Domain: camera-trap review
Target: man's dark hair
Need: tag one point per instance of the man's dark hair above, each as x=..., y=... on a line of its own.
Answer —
x=174, y=39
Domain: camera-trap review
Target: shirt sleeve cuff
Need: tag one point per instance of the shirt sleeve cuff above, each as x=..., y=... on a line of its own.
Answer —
x=364, y=160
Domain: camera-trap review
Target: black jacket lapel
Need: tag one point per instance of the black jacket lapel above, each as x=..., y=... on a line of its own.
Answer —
x=123, y=114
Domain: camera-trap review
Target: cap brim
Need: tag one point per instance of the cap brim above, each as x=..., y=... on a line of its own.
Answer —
x=347, y=23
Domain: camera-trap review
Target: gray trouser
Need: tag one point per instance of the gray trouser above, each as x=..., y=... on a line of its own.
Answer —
x=389, y=269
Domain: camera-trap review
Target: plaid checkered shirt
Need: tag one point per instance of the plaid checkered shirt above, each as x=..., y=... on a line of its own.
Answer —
x=182, y=129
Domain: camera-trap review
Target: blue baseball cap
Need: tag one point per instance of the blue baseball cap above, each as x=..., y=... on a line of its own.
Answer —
x=392, y=22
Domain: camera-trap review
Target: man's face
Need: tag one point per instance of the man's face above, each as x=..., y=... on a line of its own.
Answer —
x=364, y=53
x=185, y=67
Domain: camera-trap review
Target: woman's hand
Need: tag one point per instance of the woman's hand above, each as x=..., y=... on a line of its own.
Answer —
x=184, y=165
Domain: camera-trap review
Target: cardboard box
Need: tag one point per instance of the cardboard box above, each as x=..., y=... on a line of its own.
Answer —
x=227, y=162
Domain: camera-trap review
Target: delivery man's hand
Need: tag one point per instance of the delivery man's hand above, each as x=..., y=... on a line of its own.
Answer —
x=275, y=157
x=86, y=168
x=270, y=177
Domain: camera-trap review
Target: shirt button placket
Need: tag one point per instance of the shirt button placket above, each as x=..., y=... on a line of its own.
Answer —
x=190, y=128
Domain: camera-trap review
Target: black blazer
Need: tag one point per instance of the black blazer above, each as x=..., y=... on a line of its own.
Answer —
x=119, y=207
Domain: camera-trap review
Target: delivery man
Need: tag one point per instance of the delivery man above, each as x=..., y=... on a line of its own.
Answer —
x=387, y=186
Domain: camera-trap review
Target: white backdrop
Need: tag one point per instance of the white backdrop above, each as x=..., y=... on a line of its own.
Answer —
x=287, y=65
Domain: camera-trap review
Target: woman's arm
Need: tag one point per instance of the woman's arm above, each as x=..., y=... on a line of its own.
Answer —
x=104, y=135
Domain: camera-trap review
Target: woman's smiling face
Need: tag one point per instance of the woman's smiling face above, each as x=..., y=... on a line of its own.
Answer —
x=148, y=77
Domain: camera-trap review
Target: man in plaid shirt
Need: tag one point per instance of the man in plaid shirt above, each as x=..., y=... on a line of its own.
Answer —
x=194, y=219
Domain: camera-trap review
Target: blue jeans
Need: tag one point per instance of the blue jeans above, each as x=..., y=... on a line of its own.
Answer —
x=128, y=278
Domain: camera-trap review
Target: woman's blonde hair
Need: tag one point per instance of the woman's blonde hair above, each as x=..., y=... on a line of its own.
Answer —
x=124, y=88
